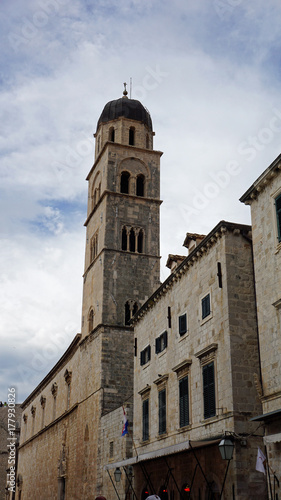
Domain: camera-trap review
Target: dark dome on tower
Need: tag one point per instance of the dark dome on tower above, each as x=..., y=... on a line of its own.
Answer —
x=129, y=108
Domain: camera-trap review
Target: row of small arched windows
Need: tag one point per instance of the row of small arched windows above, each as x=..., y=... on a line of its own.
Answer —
x=132, y=239
x=131, y=138
x=125, y=183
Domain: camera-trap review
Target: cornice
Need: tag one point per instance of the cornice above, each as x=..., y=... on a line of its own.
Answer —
x=262, y=181
x=62, y=361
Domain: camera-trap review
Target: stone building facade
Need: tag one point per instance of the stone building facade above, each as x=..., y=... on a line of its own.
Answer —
x=195, y=369
x=67, y=420
x=264, y=197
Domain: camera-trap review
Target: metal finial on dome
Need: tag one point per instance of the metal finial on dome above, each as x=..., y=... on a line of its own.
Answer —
x=125, y=93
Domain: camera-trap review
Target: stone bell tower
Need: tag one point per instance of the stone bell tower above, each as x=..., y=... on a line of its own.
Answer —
x=122, y=262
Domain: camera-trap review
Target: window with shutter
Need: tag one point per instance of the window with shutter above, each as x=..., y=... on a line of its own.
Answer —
x=161, y=342
x=206, y=306
x=278, y=216
x=182, y=324
x=162, y=411
x=145, y=355
x=183, y=402
x=209, y=390
x=145, y=420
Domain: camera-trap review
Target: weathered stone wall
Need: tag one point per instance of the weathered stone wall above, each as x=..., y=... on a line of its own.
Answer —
x=267, y=259
x=228, y=337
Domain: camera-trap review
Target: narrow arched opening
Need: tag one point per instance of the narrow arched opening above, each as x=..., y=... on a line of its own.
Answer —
x=124, y=239
x=132, y=136
x=140, y=241
x=140, y=185
x=132, y=240
x=124, y=183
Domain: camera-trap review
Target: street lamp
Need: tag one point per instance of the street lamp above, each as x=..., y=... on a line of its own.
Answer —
x=226, y=447
x=117, y=474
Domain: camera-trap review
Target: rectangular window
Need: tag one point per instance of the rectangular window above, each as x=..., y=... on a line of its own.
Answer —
x=184, y=401
x=206, y=306
x=145, y=420
x=278, y=216
x=182, y=324
x=209, y=390
x=162, y=411
x=161, y=342
x=111, y=449
x=145, y=355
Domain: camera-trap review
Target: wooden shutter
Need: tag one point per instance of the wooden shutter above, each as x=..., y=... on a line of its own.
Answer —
x=184, y=402
x=145, y=420
x=182, y=324
x=206, y=306
x=165, y=340
x=157, y=345
x=209, y=390
x=162, y=411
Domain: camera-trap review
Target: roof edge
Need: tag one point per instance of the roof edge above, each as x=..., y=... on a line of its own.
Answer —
x=70, y=350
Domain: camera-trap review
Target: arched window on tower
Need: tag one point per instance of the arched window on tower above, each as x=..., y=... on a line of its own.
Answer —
x=132, y=136
x=147, y=141
x=131, y=308
x=140, y=241
x=111, y=136
x=140, y=185
x=91, y=320
x=124, y=183
x=124, y=239
x=132, y=240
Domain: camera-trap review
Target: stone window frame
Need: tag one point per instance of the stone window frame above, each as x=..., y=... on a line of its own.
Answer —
x=145, y=397
x=183, y=370
x=162, y=387
x=207, y=356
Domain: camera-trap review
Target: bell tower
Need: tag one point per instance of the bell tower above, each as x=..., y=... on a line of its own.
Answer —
x=122, y=262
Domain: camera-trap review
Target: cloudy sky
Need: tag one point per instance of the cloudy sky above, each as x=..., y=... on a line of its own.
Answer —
x=208, y=71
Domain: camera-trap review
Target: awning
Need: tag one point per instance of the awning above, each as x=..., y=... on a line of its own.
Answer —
x=163, y=452
x=267, y=416
x=272, y=438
